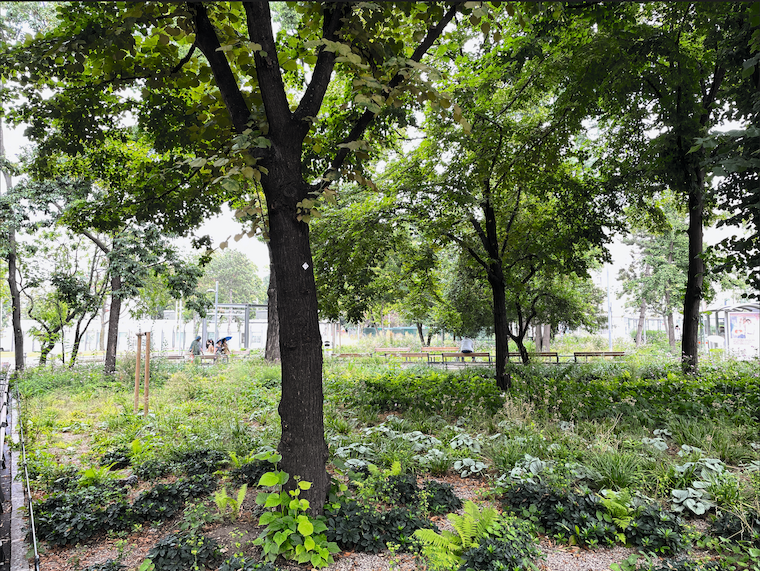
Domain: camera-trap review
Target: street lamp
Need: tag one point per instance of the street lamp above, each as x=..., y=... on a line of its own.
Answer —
x=216, y=309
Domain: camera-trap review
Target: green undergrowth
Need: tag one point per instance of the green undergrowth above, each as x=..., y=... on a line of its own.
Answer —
x=594, y=454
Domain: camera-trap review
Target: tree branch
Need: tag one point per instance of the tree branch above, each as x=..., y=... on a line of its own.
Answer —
x=208, y=42
x=271, y=85
x=320, y=78
x=367, y=117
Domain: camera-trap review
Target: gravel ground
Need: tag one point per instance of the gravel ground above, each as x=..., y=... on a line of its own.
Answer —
x=557, y=559
x=133, y=550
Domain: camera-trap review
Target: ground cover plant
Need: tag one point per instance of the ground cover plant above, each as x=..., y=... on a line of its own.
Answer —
x=596, y=455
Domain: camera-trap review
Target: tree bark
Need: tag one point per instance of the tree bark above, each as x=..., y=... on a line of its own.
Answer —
x=45, y=350
x=302, y=444
x=272, y=348
x=18, y=334
x=694, y=280
x=113, y=326
x=503, y=381
x=640, y=326
x=420, y=333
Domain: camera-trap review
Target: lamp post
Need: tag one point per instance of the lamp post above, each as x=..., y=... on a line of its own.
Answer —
x=216, y=309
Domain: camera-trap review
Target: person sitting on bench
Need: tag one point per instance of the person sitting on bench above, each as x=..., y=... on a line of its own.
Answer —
x=467, y=346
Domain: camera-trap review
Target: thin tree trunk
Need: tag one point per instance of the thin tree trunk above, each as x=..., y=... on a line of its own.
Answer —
x=538, y=338
x=45, y=350
x=546, y=338
x=102, y=335
x=113, y=326
x=640, y=326
x=272, y=348
x=420, y=333
x=18, y=334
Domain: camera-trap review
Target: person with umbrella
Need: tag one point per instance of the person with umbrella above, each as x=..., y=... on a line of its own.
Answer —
x=222, y=348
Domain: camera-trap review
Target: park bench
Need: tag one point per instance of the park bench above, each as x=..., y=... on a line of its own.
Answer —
x=420, y=356
x=548, y=356
x=349, y=355
x=431, y=350
x=597, y=354
x=241, y=354
x=392, y=350
x=460, y=359
x=209, y=358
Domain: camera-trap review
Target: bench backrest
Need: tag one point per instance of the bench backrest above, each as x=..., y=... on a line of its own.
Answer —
x=393, y=350
x=440, y=349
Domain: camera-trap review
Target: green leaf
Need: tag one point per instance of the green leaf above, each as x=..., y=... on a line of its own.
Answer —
x=231, y=184
x=269, y=479
x=273, y=500
x=305, y=527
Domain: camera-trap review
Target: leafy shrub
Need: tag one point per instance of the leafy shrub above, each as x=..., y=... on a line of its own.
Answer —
x=198, y=462
x=165, y=500
x=735, y=528
x=514, y=549
x=152, y=469
x=355, y=527
x=184, y=552
x=288, y=529
x=441, y=497
x=74, y=517
x=250, y=473
x=656, y=530
x=582, y=517
x=116, y=459
x=432, y=392
x=564, y=514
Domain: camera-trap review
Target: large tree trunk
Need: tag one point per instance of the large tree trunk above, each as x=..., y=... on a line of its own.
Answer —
x=302, y=444
x=503, y=381
x=272, y=348
x=695, y=277
x=113, y=326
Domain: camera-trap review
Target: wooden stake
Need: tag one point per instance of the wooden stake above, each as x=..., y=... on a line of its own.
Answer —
x=147, y=370
x=137, y=372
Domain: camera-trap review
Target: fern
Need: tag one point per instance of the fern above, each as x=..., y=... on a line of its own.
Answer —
x=445, y=550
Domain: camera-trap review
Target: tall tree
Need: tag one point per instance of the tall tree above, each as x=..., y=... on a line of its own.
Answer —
x=656, y=279
x=664, y=73
x=15, y=19
x=514, y=194
x=214, y=78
